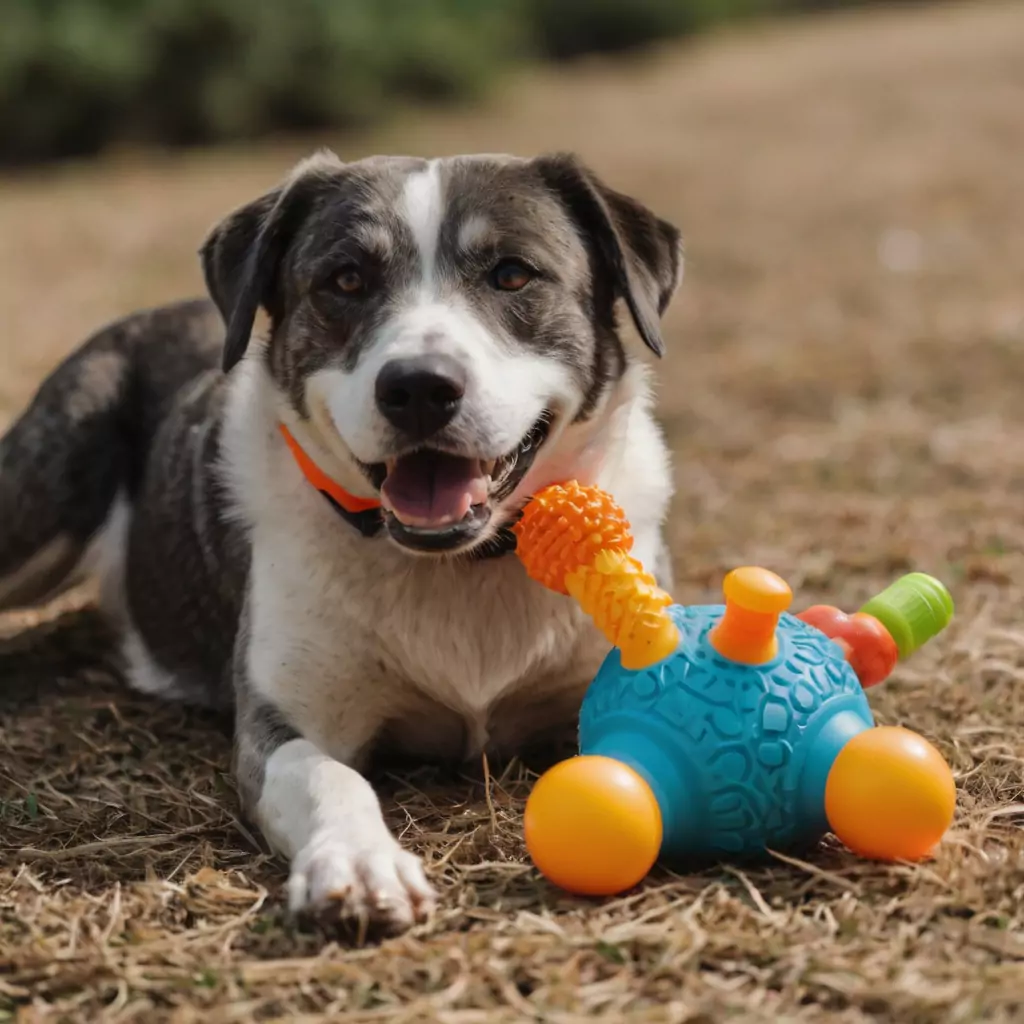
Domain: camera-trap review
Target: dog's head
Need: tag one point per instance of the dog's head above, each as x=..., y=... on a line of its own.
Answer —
x=439, y=326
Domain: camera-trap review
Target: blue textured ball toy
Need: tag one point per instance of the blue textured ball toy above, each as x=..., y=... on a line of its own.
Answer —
x=737, y=755
x=723, y=731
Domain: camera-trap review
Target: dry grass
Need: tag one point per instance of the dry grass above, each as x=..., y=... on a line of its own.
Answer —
x=844, y=394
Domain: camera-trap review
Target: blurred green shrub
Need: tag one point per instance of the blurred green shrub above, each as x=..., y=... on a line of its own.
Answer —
x=570, y=28
x=78, y=75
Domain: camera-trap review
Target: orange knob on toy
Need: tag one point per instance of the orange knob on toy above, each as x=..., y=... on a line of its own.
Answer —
x=754, y=600
x=593, y=826
x=890, y=795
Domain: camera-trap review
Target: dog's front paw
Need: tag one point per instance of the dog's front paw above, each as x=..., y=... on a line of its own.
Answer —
x=378, y=884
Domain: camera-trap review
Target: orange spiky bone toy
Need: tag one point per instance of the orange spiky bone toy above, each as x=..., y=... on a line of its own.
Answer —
x=576, y=541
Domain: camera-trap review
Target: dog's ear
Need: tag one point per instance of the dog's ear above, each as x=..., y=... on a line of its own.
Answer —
x=641, y=253
x=242, y=255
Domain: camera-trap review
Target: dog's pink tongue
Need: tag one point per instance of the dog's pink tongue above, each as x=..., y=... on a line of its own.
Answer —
x=431, y=489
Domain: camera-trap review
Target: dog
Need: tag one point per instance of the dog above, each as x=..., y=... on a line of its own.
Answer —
x=307, y=520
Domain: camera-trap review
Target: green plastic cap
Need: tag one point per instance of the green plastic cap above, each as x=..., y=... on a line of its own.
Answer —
x=914, y=609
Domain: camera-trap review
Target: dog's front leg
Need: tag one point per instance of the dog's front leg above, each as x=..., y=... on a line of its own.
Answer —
x=324, y=816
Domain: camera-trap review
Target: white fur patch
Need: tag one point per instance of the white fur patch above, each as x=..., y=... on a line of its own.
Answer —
x=325, y=817
x=422, y=208
x=146, y=676
x=473, y=230
x=106, y=559
x=106, y=556
x=305, y=791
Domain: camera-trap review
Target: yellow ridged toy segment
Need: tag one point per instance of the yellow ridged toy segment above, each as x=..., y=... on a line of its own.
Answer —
x=628, y=606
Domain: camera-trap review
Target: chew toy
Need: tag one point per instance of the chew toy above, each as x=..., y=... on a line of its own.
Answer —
x=720, y=731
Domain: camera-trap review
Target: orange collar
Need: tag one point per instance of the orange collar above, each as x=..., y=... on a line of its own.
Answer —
x=345, y=502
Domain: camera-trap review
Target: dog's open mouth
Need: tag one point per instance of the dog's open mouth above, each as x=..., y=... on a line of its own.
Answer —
x=436, y=501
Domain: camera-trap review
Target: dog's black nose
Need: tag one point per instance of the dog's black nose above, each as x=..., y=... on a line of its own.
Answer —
x=420, y=395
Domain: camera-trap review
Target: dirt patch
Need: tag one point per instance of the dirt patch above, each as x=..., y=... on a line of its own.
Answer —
x=843, y=393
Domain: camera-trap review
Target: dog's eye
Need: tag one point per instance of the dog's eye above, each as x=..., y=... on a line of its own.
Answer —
x=510, y=275
x=349, y=281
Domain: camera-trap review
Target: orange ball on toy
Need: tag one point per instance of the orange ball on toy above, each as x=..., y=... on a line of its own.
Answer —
x=593, y=826
x=890, y=795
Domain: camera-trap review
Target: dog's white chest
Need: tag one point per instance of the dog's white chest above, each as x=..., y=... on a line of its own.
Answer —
x=349, y=637
x=491, y=646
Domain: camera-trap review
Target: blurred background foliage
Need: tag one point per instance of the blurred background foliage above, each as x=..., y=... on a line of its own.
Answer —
x=77, y=76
